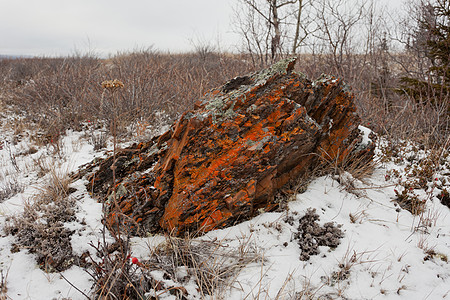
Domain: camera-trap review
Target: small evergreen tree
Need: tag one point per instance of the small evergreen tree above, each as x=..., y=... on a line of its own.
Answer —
x=433, y=37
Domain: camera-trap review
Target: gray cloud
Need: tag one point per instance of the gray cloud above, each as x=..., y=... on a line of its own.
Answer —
x=58, y=27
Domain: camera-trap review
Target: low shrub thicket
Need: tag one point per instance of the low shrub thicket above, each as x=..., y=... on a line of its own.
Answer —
x=62, y=93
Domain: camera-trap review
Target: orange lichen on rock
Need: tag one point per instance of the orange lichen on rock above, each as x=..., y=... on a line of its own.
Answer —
x=228, y=158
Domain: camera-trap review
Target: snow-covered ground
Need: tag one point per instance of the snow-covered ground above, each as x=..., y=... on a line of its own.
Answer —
x=385, y=252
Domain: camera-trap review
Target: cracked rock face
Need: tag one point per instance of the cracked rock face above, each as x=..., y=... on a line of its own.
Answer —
x=226, y=159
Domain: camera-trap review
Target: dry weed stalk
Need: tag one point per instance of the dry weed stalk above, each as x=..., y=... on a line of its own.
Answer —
x=3, y=287
x=114, y=275
x=358, y=216
x=112, y=87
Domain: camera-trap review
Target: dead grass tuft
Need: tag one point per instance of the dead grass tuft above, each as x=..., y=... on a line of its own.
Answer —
x=359, y=166
x=210, y=263
x=172, y=265
x=3, y=287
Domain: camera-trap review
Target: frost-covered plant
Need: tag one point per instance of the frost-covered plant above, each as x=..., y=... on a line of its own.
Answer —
x=40, y=228
x=422, y=169
x=9, y=189
x=444, y=196
x=408, y=200
x=311, y=235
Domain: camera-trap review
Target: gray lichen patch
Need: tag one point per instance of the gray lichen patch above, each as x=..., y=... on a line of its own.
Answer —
x=259, y=145
x=154, y=149
x=282, y=67
x=130, y=162
x=221, y=107
x=120, y=192
x=325, y=79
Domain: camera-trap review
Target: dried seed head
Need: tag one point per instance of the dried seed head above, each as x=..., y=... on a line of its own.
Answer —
x=112, y=84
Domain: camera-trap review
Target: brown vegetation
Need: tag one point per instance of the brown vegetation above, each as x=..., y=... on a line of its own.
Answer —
x=60, y=93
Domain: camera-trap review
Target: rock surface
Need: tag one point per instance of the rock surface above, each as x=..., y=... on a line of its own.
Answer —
x=226, y=160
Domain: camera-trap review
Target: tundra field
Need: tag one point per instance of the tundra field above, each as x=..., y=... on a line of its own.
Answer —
x=372, y=230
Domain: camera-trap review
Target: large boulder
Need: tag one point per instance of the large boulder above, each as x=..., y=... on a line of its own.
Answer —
x=226, y=160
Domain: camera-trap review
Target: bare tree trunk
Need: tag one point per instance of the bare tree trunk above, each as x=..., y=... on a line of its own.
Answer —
x=275, y=45
x=268, y=25
x=297, y=27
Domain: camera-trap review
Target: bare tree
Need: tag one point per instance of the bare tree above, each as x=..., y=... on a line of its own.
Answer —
x=305, y=25
x=268, y=27
x=337, y=22
x=254, y=31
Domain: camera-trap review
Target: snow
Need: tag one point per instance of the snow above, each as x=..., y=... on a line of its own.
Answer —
x=387, y=257
x=365, y=135
x=383, y=247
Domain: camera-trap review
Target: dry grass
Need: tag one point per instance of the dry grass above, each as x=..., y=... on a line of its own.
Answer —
x=40, y=228
x=402, y=118
x=10, y=188
x=346, y=169
x=3, y=287
x=172, y=265
x=62, y=93
x=212, y=264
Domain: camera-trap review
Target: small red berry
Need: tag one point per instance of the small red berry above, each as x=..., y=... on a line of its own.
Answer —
x=134, y=260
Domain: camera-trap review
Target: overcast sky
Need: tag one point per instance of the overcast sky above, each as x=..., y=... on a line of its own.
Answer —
x=62, y=27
